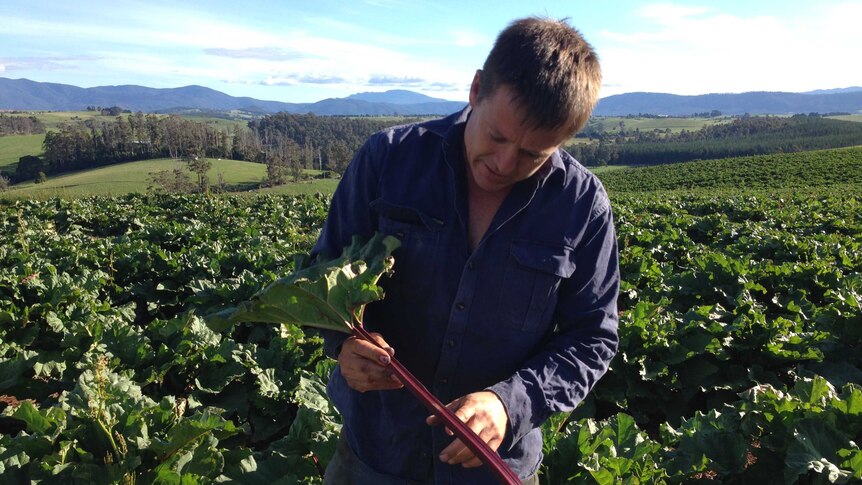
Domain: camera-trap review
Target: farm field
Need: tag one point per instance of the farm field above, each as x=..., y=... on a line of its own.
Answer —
x=740, y=356
x=611, y=123
x=857, y=118
x=130, y=177
x=13, y=147
x=134, y=177
x=839, y=166
x=53, y=119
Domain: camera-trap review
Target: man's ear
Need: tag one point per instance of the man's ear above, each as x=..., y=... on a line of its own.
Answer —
x=474, y=89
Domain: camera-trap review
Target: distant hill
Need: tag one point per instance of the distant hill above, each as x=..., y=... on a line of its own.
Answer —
x=396, y=96
x=851, y=89
x=755, y=103
x=23, y=94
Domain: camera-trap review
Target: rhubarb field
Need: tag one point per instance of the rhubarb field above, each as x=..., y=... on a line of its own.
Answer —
x=740, y=357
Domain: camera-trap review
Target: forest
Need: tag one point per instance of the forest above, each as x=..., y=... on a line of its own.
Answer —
x=743, y=136
x=286, y=143
x=290, y=143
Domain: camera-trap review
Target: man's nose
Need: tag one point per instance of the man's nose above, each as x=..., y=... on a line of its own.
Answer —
x=507, y=159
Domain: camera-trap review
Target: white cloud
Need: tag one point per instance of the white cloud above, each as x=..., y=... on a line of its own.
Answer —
x=688, y=50
x=170, y=46
x=465, y=38
x=667, y=13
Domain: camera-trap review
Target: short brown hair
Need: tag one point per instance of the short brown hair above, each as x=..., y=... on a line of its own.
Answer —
x=553, y=71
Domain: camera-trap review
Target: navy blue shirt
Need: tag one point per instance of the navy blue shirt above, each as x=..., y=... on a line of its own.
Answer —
x=530, y=314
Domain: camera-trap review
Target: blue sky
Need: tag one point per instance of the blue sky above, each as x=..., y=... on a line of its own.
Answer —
x=304, y=51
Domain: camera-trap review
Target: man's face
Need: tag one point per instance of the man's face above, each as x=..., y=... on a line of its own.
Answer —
x=501, y=151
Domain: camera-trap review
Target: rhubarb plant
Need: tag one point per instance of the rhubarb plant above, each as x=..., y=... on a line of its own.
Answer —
x=332, y=294
x=329, y=294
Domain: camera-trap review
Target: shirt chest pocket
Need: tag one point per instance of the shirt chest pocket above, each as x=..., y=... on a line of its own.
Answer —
x=530, y=283
x=415, y=260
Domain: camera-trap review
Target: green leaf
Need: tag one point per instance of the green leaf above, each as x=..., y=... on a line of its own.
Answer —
x=311, y=393
x=37, y=422
x=816, y=391
x=852, y=460
x=850, y=401
x=213, y=381
x=815, y=446
x=328, y=294
x=205, y=461
x=712, y=441
x=11, y=370
x=190, y=430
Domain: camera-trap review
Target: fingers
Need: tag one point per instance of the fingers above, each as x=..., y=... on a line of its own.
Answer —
x=368, y=350
x=457, y=453
x=365, y=366
x=485, y=415
x=453, y=406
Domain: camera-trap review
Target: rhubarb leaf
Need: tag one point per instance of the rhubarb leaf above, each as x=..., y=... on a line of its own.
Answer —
x=328, y=294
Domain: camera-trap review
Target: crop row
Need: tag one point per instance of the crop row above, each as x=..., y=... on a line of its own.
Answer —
x=740, y=336
x=839, y=166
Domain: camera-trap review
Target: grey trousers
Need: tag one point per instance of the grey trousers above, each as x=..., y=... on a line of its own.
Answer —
x=346, y=469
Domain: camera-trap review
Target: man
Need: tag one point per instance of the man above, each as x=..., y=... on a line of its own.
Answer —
x=503, y=298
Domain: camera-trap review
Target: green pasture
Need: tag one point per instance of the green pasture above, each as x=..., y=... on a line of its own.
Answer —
x=13, y=147
x=306, y=187
x=137, y=177
x=856, y=118
x=612, y=123
x=607, y=168
x=130, y=177
x=53, y=119
x=236, y=119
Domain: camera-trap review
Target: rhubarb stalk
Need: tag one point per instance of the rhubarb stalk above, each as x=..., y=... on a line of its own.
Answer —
x=458, y=427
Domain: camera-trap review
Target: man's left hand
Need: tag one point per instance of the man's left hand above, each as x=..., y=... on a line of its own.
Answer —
x=485, y=414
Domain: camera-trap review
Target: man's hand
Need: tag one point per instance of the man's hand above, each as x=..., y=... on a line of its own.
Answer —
x=365, y=366
x=485, y=414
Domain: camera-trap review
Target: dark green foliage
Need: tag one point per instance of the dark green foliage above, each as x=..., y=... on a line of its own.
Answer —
x=740, y=317
x=744, y=136
x=125, y=383
x=739, y=362
x=326, y=142
x=779, y=171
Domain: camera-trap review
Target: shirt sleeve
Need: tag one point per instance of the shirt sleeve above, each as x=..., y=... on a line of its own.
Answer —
x=559, y=377
x=349, y=215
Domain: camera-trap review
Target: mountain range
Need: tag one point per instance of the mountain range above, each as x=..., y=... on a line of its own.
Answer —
x=23, y=94
x=27, y=95
x=845, y=100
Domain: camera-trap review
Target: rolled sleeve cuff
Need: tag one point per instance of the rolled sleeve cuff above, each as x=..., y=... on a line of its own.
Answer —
x=332, y=341
x=519, y=403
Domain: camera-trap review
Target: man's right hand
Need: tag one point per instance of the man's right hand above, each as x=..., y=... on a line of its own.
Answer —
x=365, y=366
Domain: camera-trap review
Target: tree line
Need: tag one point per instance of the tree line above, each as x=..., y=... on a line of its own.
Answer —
x=286, y=143
x=323, y=142
x=747, y=135
x=289, y=144
x=20, y=125
x=88, y=144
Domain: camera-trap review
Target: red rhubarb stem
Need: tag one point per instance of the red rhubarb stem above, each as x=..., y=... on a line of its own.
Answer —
x=458, y=427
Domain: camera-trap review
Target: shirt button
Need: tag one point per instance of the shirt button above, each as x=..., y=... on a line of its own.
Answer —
x=452, y=343
x=461, y=305
x=444, y=380
x=471, y=266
